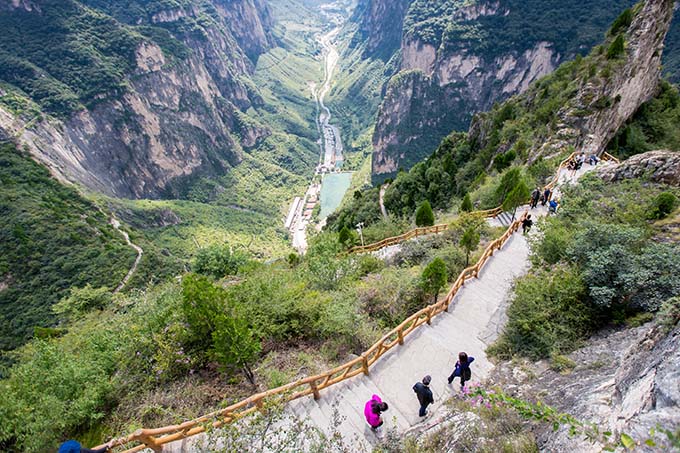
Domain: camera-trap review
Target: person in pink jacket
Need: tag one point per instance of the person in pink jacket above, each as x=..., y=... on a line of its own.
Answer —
x=372, y=411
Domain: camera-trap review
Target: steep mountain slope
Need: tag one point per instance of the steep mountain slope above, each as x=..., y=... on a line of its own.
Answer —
x=456, y=58
x=52, y=240
x=138, y=98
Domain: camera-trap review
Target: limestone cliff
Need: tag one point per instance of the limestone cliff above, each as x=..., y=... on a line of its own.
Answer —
x=176, y=117
x=458, y=58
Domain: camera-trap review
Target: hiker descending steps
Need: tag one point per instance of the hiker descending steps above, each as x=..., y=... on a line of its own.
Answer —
x=372, y=410
x=462, y=369
x=424, y=394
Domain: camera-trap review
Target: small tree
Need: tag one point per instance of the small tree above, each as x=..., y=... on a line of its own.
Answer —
x=616, y=48
x=202, y=303
x=434, y=277
x=424, y=215
x=218, y=261
x=469, y=241
x=466, y=206
x=508, y=182
x=234, y=344
x=516, y=198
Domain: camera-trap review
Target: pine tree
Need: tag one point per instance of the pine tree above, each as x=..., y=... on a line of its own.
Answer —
x=466, y=206
x=469, y=241
x=516, y=198
x=424, y=215
x=616, y=48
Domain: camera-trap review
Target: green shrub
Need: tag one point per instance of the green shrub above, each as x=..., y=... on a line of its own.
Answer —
x=561, y=363
x=547, y=315
x=619, y=270
x=82, y=300
x=551, y=247
x=218, y=261
x=424, y=215
x=392, y=295
x=622, y=22
x=664, y=204
x=669, y=314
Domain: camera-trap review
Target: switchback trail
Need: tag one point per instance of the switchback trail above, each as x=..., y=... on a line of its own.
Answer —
x=116, y=225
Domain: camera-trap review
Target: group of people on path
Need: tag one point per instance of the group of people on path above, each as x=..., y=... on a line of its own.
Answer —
x=376, y=406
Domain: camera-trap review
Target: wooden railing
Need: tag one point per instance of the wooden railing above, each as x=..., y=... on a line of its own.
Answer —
x=312, y=385
x=608, y=157
x=415, y=233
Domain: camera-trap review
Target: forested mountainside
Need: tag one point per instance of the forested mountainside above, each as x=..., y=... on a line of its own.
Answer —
x=53, y=241
x=449, y=59
x=143, y=98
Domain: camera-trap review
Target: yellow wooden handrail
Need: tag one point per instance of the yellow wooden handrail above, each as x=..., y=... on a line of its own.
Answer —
x=414, y=233
x=311, y=385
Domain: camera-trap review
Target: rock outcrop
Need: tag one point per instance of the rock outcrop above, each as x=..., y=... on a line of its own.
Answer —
x=658, y=166
x=624, y=382
x=627, y=86
x=178, y=117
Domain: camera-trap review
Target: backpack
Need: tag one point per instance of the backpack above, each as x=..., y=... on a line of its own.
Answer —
x=466, y=373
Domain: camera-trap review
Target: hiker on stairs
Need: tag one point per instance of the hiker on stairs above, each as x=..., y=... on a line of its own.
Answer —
x=526, y=224
x=424, y=394
x=462, y=369
x=546, y=196
x=535, y=195
x=372, y=411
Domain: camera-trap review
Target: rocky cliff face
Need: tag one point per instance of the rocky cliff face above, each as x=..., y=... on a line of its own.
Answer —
x=380, y=26
x=178, y=116
x=623, y=382
x=658, y=166
x=469, y=57
x=603, y=104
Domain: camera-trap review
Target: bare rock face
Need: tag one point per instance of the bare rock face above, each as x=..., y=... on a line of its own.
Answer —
x=624, y=381
x=659, y=166
x=176, y=119
x=380, y=25
x=629, y=85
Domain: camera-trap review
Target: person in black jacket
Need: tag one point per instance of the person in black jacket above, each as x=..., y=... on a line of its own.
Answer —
x=424, y=394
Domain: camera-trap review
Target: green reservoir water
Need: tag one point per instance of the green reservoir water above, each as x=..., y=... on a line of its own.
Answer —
x=333, y=188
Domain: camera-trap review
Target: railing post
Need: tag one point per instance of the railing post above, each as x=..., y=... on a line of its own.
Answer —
x=429, y=315
x=315, y=390
x=401, y=336
x=150, y=442
x=364, y=364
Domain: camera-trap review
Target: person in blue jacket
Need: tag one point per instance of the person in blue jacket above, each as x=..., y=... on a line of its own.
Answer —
x=462, y=369
x=73, y=446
